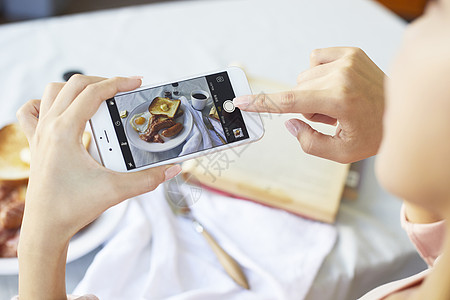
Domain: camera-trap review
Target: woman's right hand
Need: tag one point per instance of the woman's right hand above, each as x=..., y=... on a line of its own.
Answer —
x=343, y=86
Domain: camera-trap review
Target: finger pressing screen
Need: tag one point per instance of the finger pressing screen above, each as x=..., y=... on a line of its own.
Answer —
x=295, y=101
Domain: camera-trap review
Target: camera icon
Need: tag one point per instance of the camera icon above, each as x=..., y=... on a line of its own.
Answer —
x=220, y=79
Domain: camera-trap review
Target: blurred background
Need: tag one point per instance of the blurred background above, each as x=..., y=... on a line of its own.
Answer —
x=19, y=10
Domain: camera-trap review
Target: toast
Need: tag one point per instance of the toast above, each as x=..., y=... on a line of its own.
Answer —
x=164, y=107
x=13, y=142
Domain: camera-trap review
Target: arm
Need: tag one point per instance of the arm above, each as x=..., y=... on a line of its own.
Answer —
x=343, y=85
x=42, y=262
x=67, y=188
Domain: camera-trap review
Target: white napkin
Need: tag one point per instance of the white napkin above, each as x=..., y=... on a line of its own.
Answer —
x=219, y=129
x=199, y=138
x=156, y=255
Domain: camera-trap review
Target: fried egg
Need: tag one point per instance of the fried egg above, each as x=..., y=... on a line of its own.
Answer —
x=140, y=122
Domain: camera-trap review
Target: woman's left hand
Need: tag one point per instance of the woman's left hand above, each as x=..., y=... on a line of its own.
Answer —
x=67, y=188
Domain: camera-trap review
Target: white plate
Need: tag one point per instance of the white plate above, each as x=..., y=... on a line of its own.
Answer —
x=84, y=241
x=169, y=143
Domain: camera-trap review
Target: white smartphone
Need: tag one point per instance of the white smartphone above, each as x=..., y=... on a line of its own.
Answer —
x=172, y=122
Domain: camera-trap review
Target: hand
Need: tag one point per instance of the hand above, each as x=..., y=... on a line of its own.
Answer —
x=344, y=87
x=67, y=188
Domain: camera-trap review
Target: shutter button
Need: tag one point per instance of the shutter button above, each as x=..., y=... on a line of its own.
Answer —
x=228, y=106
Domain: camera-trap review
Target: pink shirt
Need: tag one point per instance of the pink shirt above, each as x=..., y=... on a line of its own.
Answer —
x=428, y=240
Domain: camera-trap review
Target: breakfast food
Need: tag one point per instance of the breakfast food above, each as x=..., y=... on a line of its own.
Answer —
x=12, y=214
x=164, y=107
x=86, y=139
x=179, y=113
x=12, y=142
x=153, y=131
x=141, y=122
x=123, y=114
x=12, y=203
x=172, y=131
x=158, y=122
x=213, y=113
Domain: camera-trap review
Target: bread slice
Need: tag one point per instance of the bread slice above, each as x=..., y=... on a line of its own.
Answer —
x=86, y=139
x=164, y=107
x=13, y=142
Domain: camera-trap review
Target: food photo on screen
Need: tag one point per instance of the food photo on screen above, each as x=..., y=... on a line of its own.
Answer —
x=176, y=119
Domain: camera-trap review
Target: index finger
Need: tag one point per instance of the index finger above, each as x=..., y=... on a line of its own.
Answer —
x=293, y=101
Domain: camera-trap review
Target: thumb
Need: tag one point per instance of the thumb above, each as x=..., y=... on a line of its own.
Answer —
x=136, y=183
x=312, y=141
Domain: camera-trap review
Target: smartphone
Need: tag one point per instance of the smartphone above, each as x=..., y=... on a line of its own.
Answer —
x=175, y=121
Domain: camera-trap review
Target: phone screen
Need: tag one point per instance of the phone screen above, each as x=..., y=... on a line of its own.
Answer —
x=177, y=119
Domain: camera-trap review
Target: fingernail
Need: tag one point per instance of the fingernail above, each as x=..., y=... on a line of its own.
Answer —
x=136, y=77
x=242, y=101
x=172, y=172
x=292, y=127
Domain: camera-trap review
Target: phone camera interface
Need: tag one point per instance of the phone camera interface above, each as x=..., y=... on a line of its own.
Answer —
x=177, y=119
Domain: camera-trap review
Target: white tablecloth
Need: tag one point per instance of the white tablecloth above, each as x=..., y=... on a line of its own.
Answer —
x=156, y=255
x=272, y=39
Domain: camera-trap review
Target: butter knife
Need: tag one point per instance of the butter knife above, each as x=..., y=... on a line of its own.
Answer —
x=180, y=207
x=210, y=126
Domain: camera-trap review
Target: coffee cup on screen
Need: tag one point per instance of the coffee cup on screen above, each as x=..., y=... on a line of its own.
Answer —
x=199, y=99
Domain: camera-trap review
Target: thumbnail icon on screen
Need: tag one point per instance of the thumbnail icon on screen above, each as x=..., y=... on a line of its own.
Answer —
x=238, y=132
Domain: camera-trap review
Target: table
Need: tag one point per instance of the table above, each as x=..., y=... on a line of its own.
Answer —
x=271, y=39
